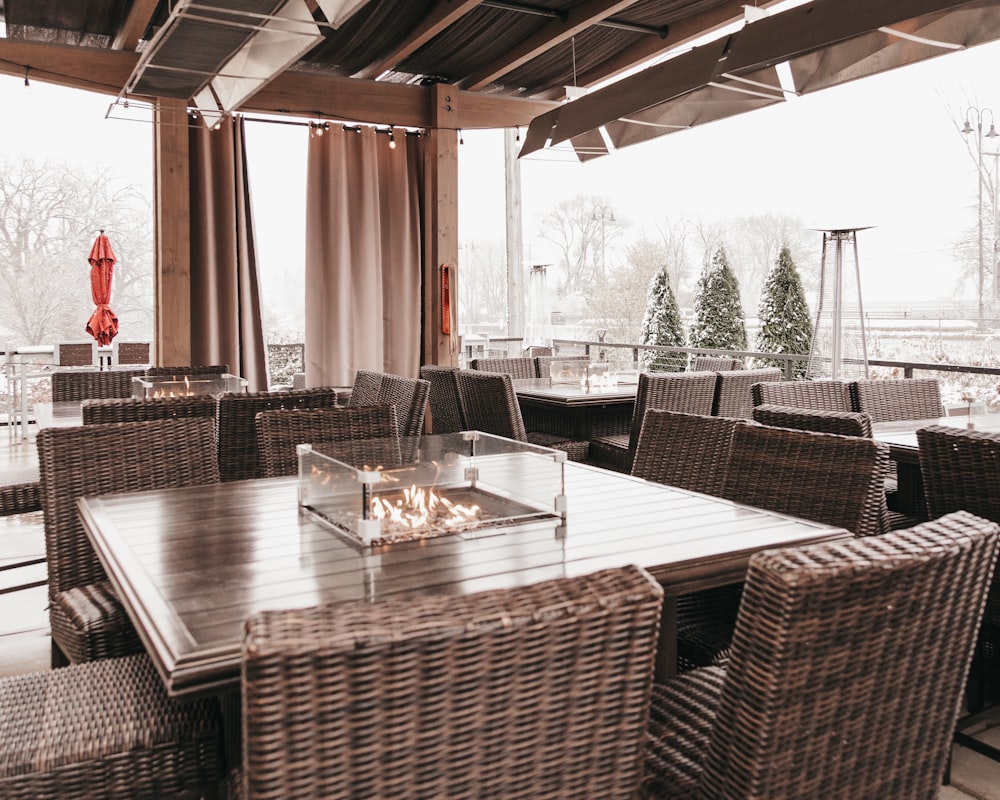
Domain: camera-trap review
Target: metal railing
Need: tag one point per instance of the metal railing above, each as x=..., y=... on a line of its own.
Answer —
x=789, y=360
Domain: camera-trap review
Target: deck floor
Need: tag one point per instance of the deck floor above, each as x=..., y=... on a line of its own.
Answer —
x=25, y=643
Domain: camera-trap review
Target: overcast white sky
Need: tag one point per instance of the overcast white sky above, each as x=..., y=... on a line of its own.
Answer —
x=884, y=151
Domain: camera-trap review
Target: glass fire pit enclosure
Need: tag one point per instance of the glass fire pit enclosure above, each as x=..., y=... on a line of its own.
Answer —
x=186, y=385
x=378, y=492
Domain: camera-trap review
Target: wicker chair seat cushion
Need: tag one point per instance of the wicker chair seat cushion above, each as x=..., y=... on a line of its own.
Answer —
x=104, y=729
x=611, y=452
x=574, y=450
x=681, y=718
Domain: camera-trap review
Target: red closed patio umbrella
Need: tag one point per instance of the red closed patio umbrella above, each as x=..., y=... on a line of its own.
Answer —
x=103, y=324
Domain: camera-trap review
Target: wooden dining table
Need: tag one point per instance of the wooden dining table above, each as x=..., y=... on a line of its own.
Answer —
x=191, y=564
x=589, y=411
x=901, y=436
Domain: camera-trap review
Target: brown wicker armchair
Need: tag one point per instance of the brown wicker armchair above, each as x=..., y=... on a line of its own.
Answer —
x=846, y=674
x=516, y=367
x=106, y=730
x=239, y=457
x=686, y=450
x=83, y=385
x=961, y=470
x=734, y=390
x=907, y=398
x=687, y=392
x=87, y=619
x=821, y=394
x=489, y=404
x=102, y=412
x=836, y=480
x=442, y=399
x=367, y=435
x=178, y=371
x=539, y=691
x=408, y=395
x=714, y=363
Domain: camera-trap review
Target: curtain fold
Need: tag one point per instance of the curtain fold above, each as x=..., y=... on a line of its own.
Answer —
x=226, y=325
x=363, y=255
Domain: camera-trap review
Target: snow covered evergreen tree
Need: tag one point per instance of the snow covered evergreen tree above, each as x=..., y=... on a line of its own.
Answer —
x=719, y=322
x=785, y=324
x=661, y=325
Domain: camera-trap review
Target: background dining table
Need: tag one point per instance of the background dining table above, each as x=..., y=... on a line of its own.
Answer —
x=191, y=564
x=591, y=410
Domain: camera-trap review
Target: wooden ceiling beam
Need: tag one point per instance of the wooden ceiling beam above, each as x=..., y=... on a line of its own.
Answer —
x=445, y=13
x=300, y=93
x=551, y=34
x=132, y=30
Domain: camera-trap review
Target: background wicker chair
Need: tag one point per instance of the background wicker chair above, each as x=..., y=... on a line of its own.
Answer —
x=537, y=691
x=714, y=363
x=84, y=385
x=961, y=470
x=687, y=392
x=87, y=620
x=686, y=450
x=238, y=455
x=835, y=480
x=846, y=672
x=907, y=398
x=516, y=367
x=106, y=729
x=75, y=354
x=734, y=390
x=821, y=394
x=130, y=353
x=408, y=395
x=369, y=431
x=489, y=404
x=442, y=399
x=102, y=412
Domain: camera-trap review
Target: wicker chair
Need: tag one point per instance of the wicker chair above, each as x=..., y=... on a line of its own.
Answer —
x=75, y=354
x=516, y=367
x=130, y=353
x=908, y=398
x=835, y=480
x=489, y=404
x=408, y=395
x=106, y=730
x=734, y=390
x=102, y=412
x=87, y=620
x=687, y=392
x=368, y=433
x=539, y=691
x=239, y=457
x=181, y=370
x=714, y=364
x=93, y=384
x=442, y=399
x=844, y=423
x=686, y=450
x=822, y=394
x=846, y=674
x=961, y=470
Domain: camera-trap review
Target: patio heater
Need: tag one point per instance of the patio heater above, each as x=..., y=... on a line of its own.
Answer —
x=839, y=349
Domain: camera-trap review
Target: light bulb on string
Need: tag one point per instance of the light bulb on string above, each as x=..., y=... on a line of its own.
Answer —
x=392, y=139
x=27, y=83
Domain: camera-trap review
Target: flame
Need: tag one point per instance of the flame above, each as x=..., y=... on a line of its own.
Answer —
x=419, y=507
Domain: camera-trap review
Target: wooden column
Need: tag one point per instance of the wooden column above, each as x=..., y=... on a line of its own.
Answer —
x=441, y=226
x=172, y=265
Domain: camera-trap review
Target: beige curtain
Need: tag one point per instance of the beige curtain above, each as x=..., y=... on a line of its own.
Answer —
x=225, y=296
x=363, y=255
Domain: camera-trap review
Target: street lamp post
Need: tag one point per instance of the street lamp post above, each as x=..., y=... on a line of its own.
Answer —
x=603, y=213
x=992, y=133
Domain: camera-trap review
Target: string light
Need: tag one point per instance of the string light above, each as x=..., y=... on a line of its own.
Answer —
x=392, y=139
x=517, y=136
x=461, y=139
x=27, y=83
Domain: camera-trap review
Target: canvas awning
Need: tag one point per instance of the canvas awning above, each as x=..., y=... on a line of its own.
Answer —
x=805, y=49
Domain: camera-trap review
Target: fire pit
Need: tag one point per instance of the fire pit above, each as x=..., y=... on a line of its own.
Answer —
x=460, y=484
x=186, y=385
